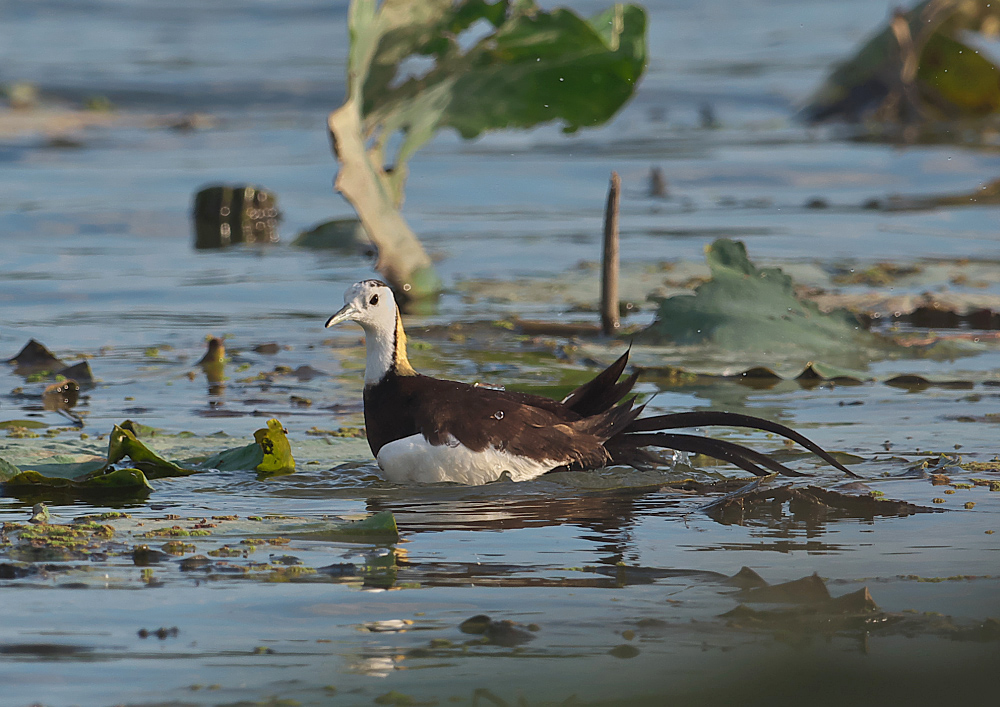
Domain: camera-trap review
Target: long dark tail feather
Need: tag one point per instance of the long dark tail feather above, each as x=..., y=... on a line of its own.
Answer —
x=603, y=391
x=745, y=458
x=706, y=418
x=611, y=423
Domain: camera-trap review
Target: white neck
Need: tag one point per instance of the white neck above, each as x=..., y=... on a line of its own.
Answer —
x=380, y=346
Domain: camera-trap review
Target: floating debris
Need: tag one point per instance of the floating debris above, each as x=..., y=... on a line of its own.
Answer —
x=738, y=506
x=34, y=357
x=499, y=633
x=347, y=235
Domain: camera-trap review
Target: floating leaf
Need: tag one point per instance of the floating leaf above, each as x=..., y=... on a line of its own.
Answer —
x=269, y=453
x=237, y=459
x=341, y=234
x=116, y=479
x=915, y=383
x=916, y=69
x=745, y=308
x=758, y=377
x=7, y=470
x=501, y=633
x=736, y=507
x=67, y=467
x=27, y=424
x=122, y=443
x=819, y=371
x=382, y=523
x=379, y=527
x=953, y=72
x=215, y=352
x=277, y=451
x=138, y=429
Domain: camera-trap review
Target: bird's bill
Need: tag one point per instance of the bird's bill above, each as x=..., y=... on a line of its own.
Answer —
x=347, y=312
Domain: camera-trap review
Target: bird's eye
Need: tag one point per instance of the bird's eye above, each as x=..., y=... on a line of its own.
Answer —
x=373, y=300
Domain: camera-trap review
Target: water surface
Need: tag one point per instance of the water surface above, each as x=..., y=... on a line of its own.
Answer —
x=620, y=578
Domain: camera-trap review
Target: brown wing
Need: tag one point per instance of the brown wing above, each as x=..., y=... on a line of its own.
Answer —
x=522, y=425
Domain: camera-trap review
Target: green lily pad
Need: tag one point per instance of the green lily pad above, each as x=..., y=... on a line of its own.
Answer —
x=139, y=430
x=237, y=459
x=269, y=453
x=117, y=479
x=277, y=452
x=7, y=471
x=380, y=527
x=122, y=443
x=27, y=424
x=382, y=523
x=755, y=310
x=68, y=467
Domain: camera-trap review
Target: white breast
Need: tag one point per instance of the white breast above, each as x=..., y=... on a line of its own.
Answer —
x=414, y=460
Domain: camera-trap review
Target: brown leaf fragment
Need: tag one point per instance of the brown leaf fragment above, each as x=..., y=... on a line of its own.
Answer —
x=732, y=508
x=824, y=613
x=143, y=556
x=807, y=590
x=858, y=602
x=865, y=504
x=909, y=382
x=306, y=373
x=80, y=372
x=759, y=377
x=195, y=562
x=746, y=579
x=500, y=633
x=988, y=630
x=34, y=357
x=738, y=507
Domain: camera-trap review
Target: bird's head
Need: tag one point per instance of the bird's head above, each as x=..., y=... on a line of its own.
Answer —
x=369, y=303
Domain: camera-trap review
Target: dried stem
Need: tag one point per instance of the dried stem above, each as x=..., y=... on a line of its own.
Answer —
x=609, y=272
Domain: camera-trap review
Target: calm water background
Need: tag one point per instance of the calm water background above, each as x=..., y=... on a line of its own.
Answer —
x=96, y=258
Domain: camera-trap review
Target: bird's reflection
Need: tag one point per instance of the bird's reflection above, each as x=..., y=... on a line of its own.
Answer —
x=605, y=520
